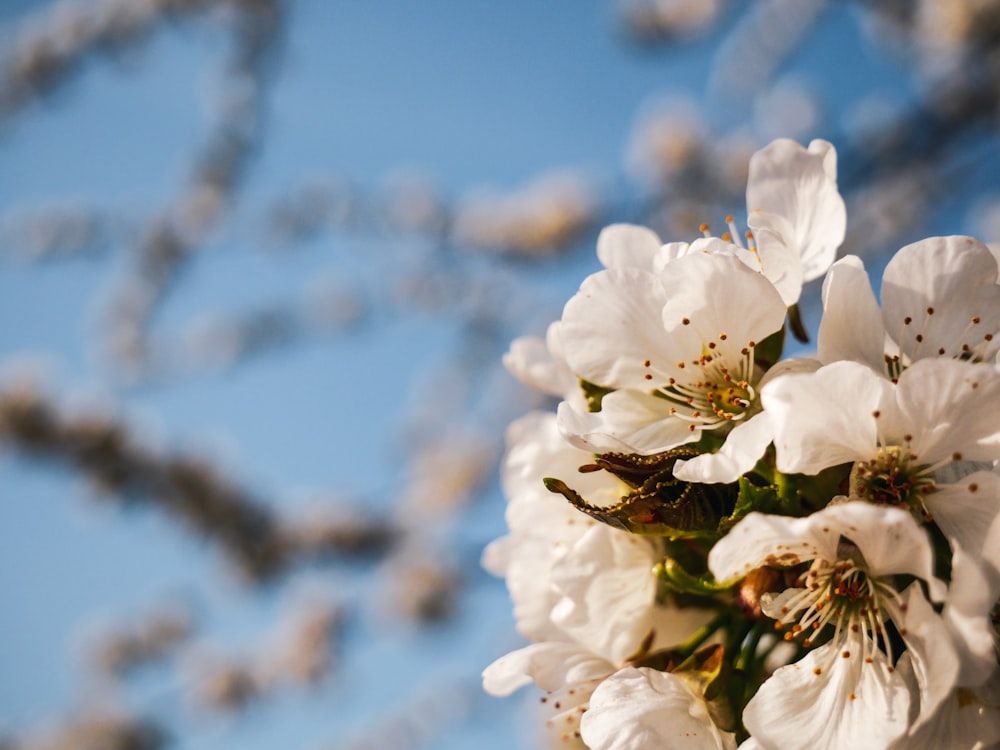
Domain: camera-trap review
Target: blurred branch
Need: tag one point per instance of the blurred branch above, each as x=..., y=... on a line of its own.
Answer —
x=147, y=640
x=97, y=730
x=185, y=488
x=300, y=653
x=174, y=236
x=48, y=49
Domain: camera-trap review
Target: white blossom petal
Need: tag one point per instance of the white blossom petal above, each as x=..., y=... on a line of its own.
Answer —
x=800, y=185
x=627, y=246
x=611, y=326
x=764, y=539
x=889, y=539
x=968, y=614
x=629, y=422
x=640, y=709
x=931, y=292
x=825, y=702
x=725, y=303
x=967, y=719
x=932, y=654
x=775, y=254
x=539, y=363
x=965, y=509
x=608, y=591
x=824, y=418
x=851, y=327
x=549, y=665
x=743, y=448
x=941, y=405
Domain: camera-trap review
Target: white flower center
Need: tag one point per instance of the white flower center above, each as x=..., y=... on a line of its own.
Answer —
x=893, y=477
x=841, y=594
x=717, y=393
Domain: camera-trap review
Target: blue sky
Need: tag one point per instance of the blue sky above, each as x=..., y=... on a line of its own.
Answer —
x=468, y=93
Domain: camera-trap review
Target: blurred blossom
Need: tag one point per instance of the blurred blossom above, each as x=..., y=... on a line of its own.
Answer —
x=124, y=648
x=539, y=219
x=332, y=529
x=332, y=303
x=666, y=141
x=316, y=206
x=764, y=38
x=985, y=218
x=884, y=211
x=211, y=343
x=40, y=232
x=957, y=23
x=729, y=165
x=871, y=122
x=302, y=650
x=224, y=685
x=99, y=729
x=420, y=586
x=298, y=652
x=649, y=20
x=434, y=705
x=787, y=109
x=445, y=473
x=412, y=203
x=46, y=49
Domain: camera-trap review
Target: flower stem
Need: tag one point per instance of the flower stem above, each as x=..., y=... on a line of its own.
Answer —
x=701, y=635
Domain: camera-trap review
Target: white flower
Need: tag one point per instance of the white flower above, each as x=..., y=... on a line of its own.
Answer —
x=677, y=347
x=940, y=298
x=795, y=211
x=540, y=363
x=968, y=719
x=845, y=693
x=584, y=590
x=906, y=440
x=543, y=527
x=640, y=709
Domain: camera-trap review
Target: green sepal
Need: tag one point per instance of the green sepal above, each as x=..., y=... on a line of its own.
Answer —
x=594, y=394
x=795, y=323
x=705, y=670
x=636, y=470
x=674, y=577
x=708, y=673
x=768, y=352
x=752, y=497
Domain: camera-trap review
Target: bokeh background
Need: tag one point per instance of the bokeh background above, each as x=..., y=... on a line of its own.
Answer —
x=259, y=260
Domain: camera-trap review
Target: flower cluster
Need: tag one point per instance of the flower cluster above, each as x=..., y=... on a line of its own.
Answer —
x=711, y=546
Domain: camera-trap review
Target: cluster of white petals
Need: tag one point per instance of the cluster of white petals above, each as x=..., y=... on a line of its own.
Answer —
x=714, y=547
